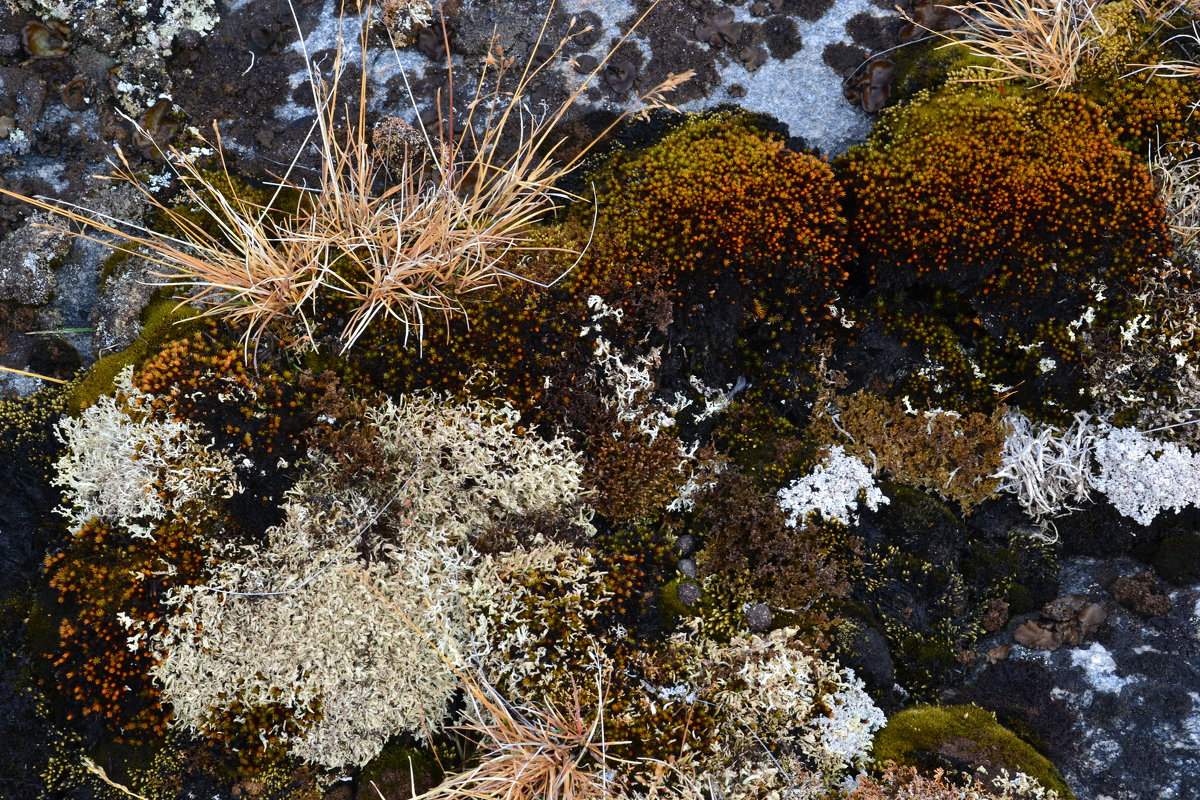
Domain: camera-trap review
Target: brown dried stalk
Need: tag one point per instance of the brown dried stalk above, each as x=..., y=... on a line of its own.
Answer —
x=1163, y=10
x=1178, y=182
x=533, y=752
x=1175, y=69
x=528, y=751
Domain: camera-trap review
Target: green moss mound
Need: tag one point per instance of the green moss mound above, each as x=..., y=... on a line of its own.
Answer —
x=963, y=738
x=162, y=320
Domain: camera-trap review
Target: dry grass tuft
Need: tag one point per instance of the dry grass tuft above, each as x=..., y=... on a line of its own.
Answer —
x=1039, y=41
x=444, y=228
x=1188, y=40
x=533, y=752
x=1178, y=181
x=1163, y=10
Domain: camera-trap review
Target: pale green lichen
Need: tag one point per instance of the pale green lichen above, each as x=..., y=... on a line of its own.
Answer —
x=375, y=642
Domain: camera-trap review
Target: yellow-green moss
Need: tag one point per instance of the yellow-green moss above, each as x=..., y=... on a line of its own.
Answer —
x=919, y=736
x=1141, y=108
x=162, y=320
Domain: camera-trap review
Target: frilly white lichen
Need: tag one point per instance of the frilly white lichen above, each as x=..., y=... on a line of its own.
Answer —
x=833, y=490
x=1051, y=470
x=304, y=620
x=125, y=466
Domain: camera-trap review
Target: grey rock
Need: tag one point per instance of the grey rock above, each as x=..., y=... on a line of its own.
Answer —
x=687, y=567
x=10, y=45
x=23, y=95
x=116, y=317
x=28, y=257
x=758, y=617
x=1134, y=690
x=689, y=594
x=685, y=545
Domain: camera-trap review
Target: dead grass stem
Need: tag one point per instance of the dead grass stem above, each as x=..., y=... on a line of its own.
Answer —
x=1178, y=181
x=534, y=751
x=528, y=750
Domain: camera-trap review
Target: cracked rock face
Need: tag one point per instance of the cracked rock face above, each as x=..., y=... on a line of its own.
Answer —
x=767, y=56
x=175, y=66
x=1134, y=689
x=27, y=259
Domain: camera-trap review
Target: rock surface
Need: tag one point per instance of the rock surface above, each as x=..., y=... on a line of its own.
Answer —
x=1134, y=689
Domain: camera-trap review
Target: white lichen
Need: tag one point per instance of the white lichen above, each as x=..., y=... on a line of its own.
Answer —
x=833, y=490
x=1052, y=471
x=373, y=642
x=1047, y=468
x=792, y=695
x=126, y=466
x=1142, y=476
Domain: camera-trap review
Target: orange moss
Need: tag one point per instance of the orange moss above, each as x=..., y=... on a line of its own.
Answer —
x=719, y=199
x=255, y=413
x=717, y=238
x=952, y=455
x=103, y=575
x=1021, y=202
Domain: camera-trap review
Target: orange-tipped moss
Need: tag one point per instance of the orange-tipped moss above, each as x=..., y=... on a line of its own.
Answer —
x=717, y=238
x=1021, y=202
x=109, y=587
x=720, y=199
x=257, y=413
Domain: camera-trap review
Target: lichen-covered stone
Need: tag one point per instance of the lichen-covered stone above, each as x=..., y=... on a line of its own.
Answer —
x=28, y=257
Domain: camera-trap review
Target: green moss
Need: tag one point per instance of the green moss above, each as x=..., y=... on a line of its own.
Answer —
x=933, y=581
x=721, y=605
x=162, y=320
x=926, y=652
x=638, y=559
x=399, y=769
x=27, y=437
x=925, y=65
x=766, y=445
x=928, y=737
x=672, y=606
x=914, y=513
x=1147, y=109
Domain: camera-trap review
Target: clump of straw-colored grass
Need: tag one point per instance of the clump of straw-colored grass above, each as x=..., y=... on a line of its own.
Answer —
x=533, y=751
x=1177, y=178
x=444, y=229
x=529, y=750
x=1043, y=42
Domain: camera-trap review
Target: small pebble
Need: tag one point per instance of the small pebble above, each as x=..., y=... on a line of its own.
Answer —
x=688, y=594
x=687, y=567
x=685, y=545
x=10, y=45
x=758, y=617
